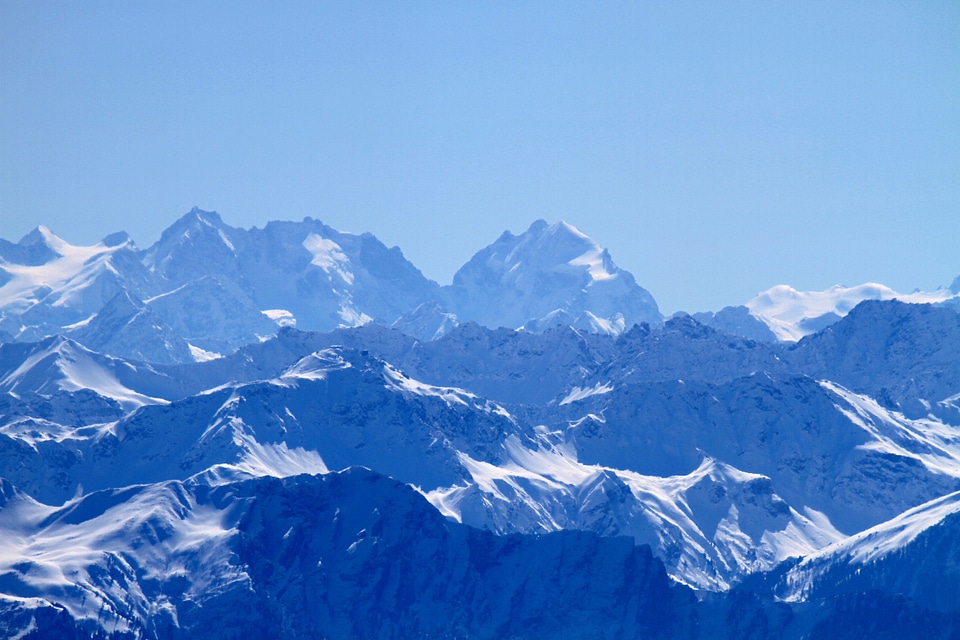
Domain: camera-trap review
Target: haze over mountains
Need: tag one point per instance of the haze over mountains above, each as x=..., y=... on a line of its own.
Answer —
x=290, y=432
x=205, y=288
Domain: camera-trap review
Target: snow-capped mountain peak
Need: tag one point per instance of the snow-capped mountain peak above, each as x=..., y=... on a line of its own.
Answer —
x=59, y=364
x=43, y=236
x=728, y=457
x=792, y=314
x=549, y=247
x=69, y=285
x=197, y=238
x=549, y=274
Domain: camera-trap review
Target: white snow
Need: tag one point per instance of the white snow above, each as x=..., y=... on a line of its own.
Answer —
x=547, y=488
x=935, y=444
x=186, y=540
x=329, y=256
x=549, y=275
x=784, y=309
x=79, y=370
x=226, y=240
x=353, y=317
x=88, y=375
x=61, y=279
x=201, y=355
x=612, y=326
x=579, y=393
x=870, y=545
x=166, y=293
x=316, y=366
x=593, y=260
x=277, y=460
x=894, y=534
x=35, y=430
x=282, y=317
x=78, y=325
x=451, y=395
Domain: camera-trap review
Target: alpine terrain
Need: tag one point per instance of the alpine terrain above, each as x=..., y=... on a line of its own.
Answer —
x=290, y=432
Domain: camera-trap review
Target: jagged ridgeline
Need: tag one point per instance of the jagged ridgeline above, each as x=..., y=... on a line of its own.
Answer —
x=206, y=288
x=290, y=432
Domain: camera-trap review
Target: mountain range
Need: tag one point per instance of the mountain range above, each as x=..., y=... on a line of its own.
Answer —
x=290, y=432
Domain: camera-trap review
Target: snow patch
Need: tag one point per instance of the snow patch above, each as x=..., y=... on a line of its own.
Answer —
x=353, y=317
x=594, y=261
x=935, y=444
x=451, y=395
x=202, y=355
x=282, y=317
x=277, y=459
x=870, y=545
x=329, y=256
x=226, y=240
x=79, y=370
x=316, y=366
x=579, y=393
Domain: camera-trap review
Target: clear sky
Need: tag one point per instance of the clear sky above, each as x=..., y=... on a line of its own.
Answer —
x=716, y=148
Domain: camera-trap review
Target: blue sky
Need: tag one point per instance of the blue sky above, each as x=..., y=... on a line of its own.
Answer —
x=716, y=148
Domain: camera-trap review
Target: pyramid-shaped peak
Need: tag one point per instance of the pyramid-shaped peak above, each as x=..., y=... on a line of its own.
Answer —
x=42, y=236
x=196, y=214
x=33, y=249
x=542, y=247
x=565, y=228
x=557, y=242
x=538, y=226
x=197, y=233
x=524, y=280
x=36, y=236
x=194, y=220
x=551, y=246
x=561, y=229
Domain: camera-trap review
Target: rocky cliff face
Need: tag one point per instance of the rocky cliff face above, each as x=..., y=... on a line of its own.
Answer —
x=352, y=554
